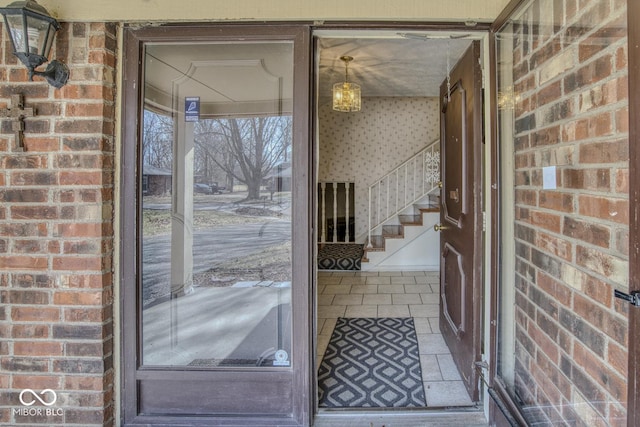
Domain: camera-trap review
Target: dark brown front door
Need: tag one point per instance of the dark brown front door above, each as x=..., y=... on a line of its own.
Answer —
x=461, y=225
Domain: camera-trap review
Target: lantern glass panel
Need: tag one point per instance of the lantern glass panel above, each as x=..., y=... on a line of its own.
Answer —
x=37, y=34
x=17, y=30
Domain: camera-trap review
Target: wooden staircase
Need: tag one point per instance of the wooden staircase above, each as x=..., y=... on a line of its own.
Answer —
x=397, y=231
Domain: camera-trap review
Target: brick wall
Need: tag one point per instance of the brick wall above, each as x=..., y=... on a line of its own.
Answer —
x=56, y=234
x=572, y=242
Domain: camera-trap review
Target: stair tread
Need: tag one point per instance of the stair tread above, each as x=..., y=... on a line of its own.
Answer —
x=427, y=207
x=410, y=219
x=392, y=231
x=377, y=244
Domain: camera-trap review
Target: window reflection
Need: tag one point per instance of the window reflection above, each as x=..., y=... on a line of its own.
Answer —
x=216, y=206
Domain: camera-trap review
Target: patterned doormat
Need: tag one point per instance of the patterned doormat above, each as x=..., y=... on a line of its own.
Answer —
x=371, y=363
x=340, y=256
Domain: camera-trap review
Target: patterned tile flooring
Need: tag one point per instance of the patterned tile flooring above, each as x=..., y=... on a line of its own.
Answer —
x=395, y=294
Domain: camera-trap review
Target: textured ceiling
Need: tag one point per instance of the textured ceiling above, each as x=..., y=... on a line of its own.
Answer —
x=255, y=78
x=413, y=65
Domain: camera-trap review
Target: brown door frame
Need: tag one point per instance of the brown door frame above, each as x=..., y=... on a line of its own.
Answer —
x=501, y=400
x=299, y=411
x=633, y=16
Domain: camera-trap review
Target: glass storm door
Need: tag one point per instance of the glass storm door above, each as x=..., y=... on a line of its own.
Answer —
x=217, y=321
x=563, y=135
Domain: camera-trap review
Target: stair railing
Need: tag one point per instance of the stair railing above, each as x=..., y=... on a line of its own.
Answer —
x=405, y=185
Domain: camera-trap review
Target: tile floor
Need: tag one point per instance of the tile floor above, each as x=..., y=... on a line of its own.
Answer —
x=395, y=294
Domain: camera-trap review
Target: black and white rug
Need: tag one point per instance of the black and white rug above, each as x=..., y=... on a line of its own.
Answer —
x=340, y=256
x=371, y=363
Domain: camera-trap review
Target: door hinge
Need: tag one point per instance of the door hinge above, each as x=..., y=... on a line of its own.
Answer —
x=484, y=221
x=633, y=297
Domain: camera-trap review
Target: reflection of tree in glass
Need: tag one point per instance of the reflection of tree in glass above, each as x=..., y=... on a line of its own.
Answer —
x=246, y=149
x=157, y=140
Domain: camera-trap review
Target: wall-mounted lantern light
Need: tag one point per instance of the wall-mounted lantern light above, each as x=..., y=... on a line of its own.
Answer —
x=32, y=30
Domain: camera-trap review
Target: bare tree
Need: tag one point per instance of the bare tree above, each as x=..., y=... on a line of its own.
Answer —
x=246, y=148
x=157, y=140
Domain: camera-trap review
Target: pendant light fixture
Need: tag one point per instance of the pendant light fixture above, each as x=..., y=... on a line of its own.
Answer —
x=346, y=95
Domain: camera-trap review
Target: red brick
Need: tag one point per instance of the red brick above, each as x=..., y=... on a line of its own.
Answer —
x=76, y=263
x=549, y=93
x=595, y=234
x=592, y=313
x=601, y=125
x=622, y=120
x=84, y=315
x=605, y=152
x=544, y=342
x=39, y=314
x=83, y=383
x=34, y=178
x=42, y=144
x=622, y=60
x=557, y=290
x=618, y=358
x=527, y=197
x=553, y=200
x=21, y=262
x=77, y=298
x=23, y=195
x=554, y=245
x=79, y=230
x=622, y=241
x=575, y=130
x=37, y=348
x=34, y=212
x=587, y=179
x=85, y=110
x=600, y=373
x=36, y=382
x=25, y=162
x=83, y=178
x=30, y=331
x=608, y=209
x=548, y=221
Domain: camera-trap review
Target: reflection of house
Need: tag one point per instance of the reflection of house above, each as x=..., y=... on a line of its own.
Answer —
x=280, y=178
x=156, y=181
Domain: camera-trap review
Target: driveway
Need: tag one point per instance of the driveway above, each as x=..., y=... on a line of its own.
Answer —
x=211, y=247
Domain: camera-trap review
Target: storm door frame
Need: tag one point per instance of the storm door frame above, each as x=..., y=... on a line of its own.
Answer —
x=499, y=395
x=130, y=211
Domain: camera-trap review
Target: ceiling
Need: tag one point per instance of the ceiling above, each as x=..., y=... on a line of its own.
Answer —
x=403, y=66
x=256, y=77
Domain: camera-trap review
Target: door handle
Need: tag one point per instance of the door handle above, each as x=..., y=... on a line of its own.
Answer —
x=439, y=227
x=633, y=297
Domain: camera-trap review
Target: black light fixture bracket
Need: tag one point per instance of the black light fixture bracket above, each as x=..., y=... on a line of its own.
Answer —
x=56, y=74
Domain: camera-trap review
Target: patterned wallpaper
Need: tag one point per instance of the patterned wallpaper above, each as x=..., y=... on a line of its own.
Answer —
x=362, y=147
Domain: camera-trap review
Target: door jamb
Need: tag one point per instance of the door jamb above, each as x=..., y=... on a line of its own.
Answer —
x=633, y=374
x=483, y=29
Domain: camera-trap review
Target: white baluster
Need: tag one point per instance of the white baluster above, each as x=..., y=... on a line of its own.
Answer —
x=323, y=186
x=387, y=213
x=378, y=209
x=397, y=188
x=335, y=212
x=415, y=179
x=346, y=215
x=369, y=245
